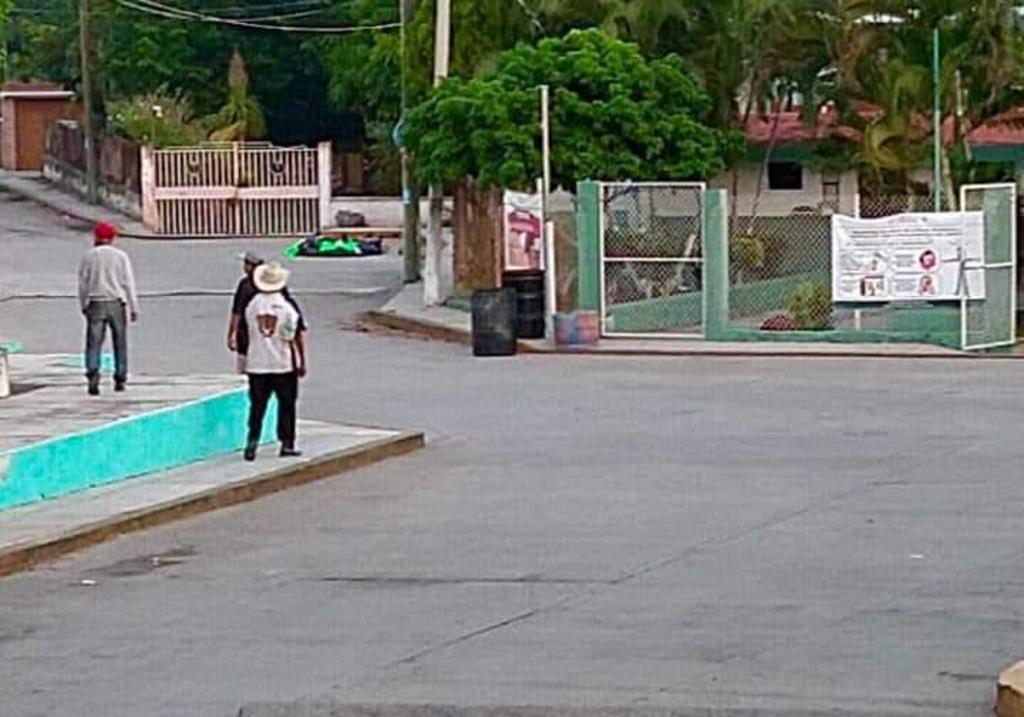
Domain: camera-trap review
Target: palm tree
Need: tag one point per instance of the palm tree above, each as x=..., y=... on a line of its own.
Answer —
x=882, y=56
x=646, y=22
x=241, y=118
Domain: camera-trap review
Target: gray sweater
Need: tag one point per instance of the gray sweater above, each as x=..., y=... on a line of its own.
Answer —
x=105, y=274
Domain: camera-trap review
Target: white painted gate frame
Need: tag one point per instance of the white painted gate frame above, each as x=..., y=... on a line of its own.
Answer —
x=1011, y=265
x=605, y=333
x=152, y=194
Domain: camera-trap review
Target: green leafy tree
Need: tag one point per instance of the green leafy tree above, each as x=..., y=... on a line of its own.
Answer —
x=138, y=53
x=615, y=116
x=5, y=9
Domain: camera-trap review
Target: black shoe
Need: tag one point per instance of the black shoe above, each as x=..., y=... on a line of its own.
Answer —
x=250, y=452
x=290, y=452
x=119, y=386
x=94, y=389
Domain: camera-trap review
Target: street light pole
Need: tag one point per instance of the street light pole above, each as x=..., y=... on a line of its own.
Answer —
x=937, y=159
x=88, y=126
x=433, y=271
x=88, y=108
x=410, y=192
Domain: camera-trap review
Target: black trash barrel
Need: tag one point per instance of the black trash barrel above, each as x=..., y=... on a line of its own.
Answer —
x=529, y=288
x=494, y=322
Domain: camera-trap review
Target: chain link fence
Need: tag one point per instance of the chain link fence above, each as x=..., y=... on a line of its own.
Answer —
x=563, y=215
x=774, y=264
x=780, y=279
x=652, y=259
x=876, y=207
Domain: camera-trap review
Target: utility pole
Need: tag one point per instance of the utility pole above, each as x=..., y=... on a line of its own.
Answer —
x=434, y=289
x=937, y=81
x=88, y=126
x=410, y=192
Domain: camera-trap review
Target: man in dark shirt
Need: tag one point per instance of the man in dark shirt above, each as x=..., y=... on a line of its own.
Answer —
x=238, y=332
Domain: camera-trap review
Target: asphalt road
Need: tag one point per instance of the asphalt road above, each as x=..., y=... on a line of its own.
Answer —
x=766, y=536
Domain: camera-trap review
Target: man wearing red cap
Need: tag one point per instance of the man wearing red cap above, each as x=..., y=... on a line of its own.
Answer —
x=107, y=296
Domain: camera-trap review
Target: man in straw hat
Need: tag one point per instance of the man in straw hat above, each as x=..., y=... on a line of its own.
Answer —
x=246, y=291
x=107, y=297
x=276, y=358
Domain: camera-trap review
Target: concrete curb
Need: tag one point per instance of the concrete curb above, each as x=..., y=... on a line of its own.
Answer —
x=436, y=331
x=441, y=332
x=341, y=709
x=24, y=556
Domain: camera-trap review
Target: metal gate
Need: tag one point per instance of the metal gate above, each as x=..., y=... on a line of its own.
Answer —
x=236, y=190
x=992, y=322
x=652, y=260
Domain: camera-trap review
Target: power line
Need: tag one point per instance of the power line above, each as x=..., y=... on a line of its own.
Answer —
x=281, y=5
x=185, y=13
x=158, y=9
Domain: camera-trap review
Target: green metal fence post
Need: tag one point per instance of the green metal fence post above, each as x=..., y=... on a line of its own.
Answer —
x=716, y=264
x=588, y=245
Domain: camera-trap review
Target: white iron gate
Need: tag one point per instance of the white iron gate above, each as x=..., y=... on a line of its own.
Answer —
x=652, y=261
x=236, y=190
x=992, y=322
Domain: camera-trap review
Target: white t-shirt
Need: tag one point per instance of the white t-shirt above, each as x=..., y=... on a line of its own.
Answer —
x=272, y=323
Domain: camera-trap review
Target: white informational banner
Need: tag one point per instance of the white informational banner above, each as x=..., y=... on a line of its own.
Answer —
x=522, y=216
x=908, y=257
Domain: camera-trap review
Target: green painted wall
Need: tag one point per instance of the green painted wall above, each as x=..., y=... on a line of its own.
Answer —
x=657, y=315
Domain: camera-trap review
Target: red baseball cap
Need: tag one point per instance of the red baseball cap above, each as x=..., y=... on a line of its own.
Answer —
x=104, y=232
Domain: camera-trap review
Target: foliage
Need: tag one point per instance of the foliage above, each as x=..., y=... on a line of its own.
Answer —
x=869, y=60
x=137, y=53
x=481, y=29
x=161, y=118
x=614, y=115
x=5, y=9
x=241, y=118
x=811, y=306
x=747, y=251
x=383, y=162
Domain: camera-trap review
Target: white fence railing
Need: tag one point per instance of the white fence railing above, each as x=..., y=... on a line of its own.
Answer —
x=236, y=190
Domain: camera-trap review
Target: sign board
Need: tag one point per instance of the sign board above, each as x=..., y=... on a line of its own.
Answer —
x=908, y=257
x=523, y=228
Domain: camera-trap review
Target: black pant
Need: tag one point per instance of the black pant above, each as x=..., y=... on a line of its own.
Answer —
x=98, y=316
x=286, y=387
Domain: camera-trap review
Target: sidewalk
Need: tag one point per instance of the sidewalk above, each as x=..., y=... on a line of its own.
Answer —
x=77, y=470
x=406, y=312
x=45, y=530
x=33, y=187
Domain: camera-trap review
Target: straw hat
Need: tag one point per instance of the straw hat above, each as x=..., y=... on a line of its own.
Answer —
x=270, y=277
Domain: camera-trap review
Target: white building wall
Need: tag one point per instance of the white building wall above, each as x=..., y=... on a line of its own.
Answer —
x=783, y=202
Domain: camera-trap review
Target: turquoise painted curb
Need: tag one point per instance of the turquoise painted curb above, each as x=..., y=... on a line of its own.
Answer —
x=147, y=443
x=78, y=361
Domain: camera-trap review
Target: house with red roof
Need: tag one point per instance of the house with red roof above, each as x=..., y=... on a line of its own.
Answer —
x=793, y=182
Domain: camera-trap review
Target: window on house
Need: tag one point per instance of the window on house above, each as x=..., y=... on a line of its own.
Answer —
x=830, y=194
x=785, y=175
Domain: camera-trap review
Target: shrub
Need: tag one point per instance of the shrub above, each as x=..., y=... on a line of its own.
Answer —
x=160, y=119
x=747, y=252
x=811, y=306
